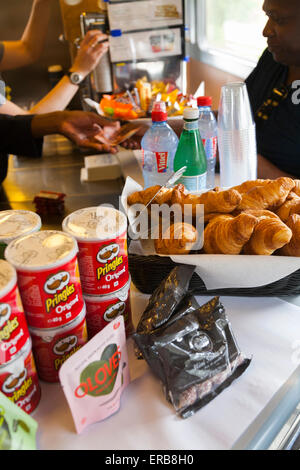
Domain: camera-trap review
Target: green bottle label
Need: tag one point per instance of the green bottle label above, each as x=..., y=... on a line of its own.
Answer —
x=194, y=183
x=190, y=125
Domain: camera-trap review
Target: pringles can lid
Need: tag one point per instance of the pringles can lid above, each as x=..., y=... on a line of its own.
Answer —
x=95, y=223
x=41, y=250
x=8, y=278
x=17, y=223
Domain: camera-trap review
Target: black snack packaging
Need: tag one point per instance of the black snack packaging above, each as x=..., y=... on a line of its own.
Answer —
x=166, y=298
x=194, y=354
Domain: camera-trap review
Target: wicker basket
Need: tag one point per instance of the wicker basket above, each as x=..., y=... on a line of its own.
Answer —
x=147, y=272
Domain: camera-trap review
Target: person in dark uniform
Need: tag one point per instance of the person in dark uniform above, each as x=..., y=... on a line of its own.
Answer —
x=272, y=89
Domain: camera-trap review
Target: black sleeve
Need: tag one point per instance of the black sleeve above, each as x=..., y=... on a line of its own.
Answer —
x=16, y=136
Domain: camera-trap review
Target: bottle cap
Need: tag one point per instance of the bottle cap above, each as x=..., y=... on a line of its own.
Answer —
x=204, y=101
x=191, y=113
x=159, y=112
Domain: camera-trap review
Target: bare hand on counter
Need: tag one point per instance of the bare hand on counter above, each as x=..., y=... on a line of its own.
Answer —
x=79, y=126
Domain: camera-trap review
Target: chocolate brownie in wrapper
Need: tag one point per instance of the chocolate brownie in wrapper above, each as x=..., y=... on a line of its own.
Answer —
x=194, y=354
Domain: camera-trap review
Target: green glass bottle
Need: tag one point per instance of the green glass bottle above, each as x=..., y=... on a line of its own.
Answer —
x=190, y=152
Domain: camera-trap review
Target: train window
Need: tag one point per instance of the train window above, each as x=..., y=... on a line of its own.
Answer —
x=229, y=33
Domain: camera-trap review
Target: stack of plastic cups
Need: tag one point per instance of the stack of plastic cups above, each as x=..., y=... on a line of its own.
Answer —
x=101, y=234
x=50, y=289
x=236, y=136
x=18, y=375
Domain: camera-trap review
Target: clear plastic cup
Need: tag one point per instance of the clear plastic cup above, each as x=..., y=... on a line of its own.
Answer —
x=236, y=136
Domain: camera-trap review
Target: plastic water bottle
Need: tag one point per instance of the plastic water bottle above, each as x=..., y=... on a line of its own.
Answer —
x=209, y=133
x=190, y=153
x=159, y=145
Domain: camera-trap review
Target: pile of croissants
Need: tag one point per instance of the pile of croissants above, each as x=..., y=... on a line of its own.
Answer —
x=259, y=217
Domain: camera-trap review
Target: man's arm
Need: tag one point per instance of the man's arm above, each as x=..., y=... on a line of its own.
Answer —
x=266, y=169
x=29, y=48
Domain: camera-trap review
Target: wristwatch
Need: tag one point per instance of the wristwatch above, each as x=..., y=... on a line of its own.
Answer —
x=75, y=77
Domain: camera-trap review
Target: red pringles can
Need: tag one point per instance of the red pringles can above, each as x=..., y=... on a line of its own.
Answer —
x=53, y=346
x=13, y=325
x=19, y=380
x=101, y=234
x=102, y=309
x=48, y=277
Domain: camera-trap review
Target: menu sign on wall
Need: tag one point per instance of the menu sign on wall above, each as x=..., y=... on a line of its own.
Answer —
x=145, y=14
x=147, y=30
x=146, y=45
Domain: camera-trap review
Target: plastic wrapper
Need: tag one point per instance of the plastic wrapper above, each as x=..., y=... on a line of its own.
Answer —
x=17, y=428
x=166, y=298
x=193, y=352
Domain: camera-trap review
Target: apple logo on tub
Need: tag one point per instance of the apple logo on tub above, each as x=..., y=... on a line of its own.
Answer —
x=108, y=252
x=57, y=282
x=14, y=381
x=65, y=345
x=5, y=311
x=114, y=311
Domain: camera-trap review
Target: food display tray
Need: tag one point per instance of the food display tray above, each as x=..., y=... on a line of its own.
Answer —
x=147, y=272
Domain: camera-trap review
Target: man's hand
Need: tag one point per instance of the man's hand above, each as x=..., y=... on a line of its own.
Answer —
x=79, y=126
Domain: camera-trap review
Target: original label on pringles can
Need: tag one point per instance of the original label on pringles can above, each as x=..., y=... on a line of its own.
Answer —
x=103, y=309
x=52, y=347
x=19, y=380
x=48, y=277
x=101, y=234
x=13, y=326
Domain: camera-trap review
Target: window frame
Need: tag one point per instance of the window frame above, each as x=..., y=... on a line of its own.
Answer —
x=200, y=50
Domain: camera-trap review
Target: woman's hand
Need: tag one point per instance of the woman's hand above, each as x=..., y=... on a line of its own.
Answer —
x=90, y=52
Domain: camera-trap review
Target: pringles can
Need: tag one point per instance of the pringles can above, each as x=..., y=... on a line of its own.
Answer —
x=14, y=332
x=48, y=277
x=53, y=346
x=101, y=234
x=103, y=309
x=15, y=224
x=19, y=380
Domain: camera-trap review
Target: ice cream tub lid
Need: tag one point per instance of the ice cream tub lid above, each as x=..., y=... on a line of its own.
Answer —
x=95, y=223
x=41, y=251
x=8, y=278
x=17, y=223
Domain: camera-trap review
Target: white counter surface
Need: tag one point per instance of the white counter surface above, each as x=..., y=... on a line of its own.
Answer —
x=265, y=328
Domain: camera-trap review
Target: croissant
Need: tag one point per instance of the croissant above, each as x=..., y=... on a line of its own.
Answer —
x=270, y=196
x=227, y=234
x=293, y=247
x=213, y=201
x=269, y=234
x=297, y=187
x=179, y=239
x=247, y=185
x=145, y=196
x=289, y=207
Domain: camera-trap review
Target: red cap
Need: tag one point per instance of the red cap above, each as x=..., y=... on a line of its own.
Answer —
x=204, y=101
x=159, y=112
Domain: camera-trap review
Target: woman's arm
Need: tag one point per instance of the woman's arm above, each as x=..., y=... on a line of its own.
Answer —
x=88, y=56
x=29, y=48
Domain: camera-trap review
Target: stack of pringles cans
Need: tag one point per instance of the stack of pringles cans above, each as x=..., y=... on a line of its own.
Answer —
x=57, y=290
x=101, y=234
x=18, y=375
